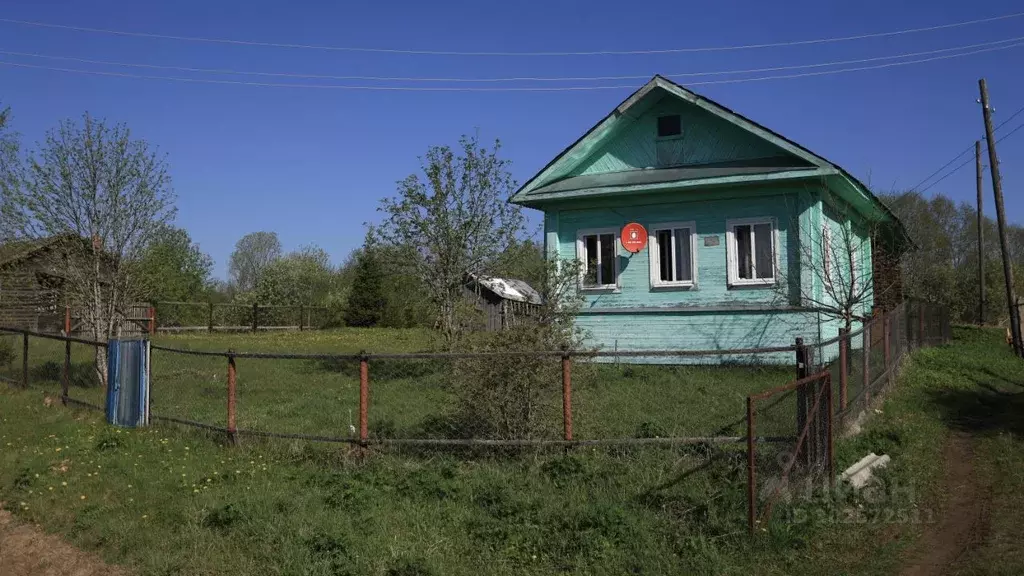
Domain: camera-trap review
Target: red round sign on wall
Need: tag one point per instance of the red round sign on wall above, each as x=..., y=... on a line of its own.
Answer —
x=634, y=237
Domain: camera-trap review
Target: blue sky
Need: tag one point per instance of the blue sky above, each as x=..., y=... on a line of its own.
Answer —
x=311, y=164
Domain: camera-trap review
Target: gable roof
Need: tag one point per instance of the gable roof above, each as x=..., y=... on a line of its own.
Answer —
x=553, y=181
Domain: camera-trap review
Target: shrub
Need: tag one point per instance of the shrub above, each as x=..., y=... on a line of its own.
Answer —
x=512, y=395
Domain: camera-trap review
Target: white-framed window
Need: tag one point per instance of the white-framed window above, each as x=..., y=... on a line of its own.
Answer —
x=752, y=251
x=597, y=250
x=672, y=252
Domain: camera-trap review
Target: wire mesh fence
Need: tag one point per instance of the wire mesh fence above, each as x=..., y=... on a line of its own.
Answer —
x=753, y=408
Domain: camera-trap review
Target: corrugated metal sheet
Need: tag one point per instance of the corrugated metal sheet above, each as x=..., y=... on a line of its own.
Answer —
x=128, y=383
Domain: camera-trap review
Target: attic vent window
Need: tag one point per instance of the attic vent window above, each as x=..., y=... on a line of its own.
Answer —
x=669, y=126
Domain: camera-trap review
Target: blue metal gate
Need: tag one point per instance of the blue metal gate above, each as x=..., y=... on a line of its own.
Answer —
x=128, y=382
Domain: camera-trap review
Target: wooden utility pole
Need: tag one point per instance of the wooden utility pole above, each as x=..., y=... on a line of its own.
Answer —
x=997, y=188
x=981, y=235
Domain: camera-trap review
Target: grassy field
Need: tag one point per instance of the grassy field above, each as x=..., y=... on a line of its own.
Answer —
x=408, y=398
x=168, y=500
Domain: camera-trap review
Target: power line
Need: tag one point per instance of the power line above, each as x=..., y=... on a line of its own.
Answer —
x=493, y=88
x=968, y=149
x=506, y=79
x=152, y=35
x=966, y=162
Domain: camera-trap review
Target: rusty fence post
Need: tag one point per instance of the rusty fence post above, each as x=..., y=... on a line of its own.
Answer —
x=364, y=397
x=844, y=366
x=567, y=394
x=255, y=317
x=24, y=360
x=232, y=430
x=152, y=320
x=67, y=320
x=65, y=382
x=866, y=361
x=751, y=475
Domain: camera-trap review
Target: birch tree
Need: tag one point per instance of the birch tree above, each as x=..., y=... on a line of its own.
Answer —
x=457, y=217
x=107, y=195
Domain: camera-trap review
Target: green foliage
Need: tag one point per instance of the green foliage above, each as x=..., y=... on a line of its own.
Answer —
x=174, y=268
x=522, y=260
x=944, y=267
x=253, y=254
x=508, y=396
x=453, y=220
x=366, y=301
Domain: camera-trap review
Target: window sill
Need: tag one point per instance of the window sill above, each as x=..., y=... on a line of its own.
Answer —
x=601, y=290
x=670, y=287
x=751, y=284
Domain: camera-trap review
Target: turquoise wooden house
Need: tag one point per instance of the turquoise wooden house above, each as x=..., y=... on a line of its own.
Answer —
x=741, y=226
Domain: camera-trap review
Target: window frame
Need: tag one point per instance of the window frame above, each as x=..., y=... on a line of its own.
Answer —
x=732, y=252
x=654, y=254
x=581, y=235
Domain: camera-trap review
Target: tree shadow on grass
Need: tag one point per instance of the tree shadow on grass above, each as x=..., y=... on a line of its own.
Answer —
x=985, y=410
x=83, y=374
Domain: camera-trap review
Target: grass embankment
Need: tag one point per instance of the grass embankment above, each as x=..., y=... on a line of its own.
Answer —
x=175, y=501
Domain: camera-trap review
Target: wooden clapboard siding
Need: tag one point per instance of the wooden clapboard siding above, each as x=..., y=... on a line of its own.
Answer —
x=706, y=139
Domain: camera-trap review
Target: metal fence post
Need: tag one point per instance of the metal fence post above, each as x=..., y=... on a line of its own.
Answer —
x=24, y=360
x=65, y=382
x=751, y=476
x=567, y=394
x=866, y=361
x=844, y=365
x=255, y=317
x=364, y=397
x=232, y=430
x=302, y=312
x=210, y=318
x=67, y=320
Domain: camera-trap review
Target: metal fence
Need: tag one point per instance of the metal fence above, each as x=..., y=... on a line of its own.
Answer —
x=686, y=400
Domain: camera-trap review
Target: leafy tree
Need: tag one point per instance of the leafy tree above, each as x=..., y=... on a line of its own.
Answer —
x=303, y=277
x=174, y=268
x=457, y=219
x=944, y=266
x=522, y=260
x=110, y=194
x=366, y=300
x=253, y=254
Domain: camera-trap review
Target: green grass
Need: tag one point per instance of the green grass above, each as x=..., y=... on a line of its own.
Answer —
x=169, y=500
x=408, y=398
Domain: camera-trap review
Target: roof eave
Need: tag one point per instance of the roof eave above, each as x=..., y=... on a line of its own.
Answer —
x=538, y=200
